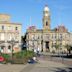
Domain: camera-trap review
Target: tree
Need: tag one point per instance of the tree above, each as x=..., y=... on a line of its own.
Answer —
x=69, y=48
x=56, y=46
x=23, y=40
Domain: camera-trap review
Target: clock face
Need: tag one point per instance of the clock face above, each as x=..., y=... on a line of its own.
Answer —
x=46, y=14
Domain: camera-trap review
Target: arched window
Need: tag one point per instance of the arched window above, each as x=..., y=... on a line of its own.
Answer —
x=2, y=48
x=9, y=47
x=46, y=23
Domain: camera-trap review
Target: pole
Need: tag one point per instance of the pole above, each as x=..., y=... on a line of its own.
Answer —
x=12, y=42
x=42, y=41
x=12, y=51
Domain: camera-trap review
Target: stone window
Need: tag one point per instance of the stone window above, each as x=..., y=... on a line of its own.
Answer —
x=16, y=28
x=2, y=36
x=60, y=36
x=9, y=28
x=38, y=37
x=2, y=48
x=9, y=36
x=9, y=47
x=46, y=23
x=33, y=37
x=54, y=36
x=2, y=27
x=47, y=36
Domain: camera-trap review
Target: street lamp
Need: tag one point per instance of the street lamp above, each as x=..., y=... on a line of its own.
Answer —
x=33, y=44
x=42, y=42
x=12, y=43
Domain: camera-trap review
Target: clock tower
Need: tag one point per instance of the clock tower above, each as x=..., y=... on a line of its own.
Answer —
x=46, y=18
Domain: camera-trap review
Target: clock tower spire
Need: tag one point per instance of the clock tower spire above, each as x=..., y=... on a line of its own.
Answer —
x=46, y=18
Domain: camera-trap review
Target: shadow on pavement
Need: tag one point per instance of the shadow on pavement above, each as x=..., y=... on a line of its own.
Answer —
x=64, y=56
x=63, y=69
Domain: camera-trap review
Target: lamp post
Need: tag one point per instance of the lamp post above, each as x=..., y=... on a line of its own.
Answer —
x=12, y=43
x=33, y=40
x=42, y=42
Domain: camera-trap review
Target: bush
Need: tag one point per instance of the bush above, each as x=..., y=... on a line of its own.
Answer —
x=6, y=57
x=24, y=54
x=22, y=57
x=18, y=58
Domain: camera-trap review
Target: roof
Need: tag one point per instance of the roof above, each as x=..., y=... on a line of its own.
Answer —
x=10, y=23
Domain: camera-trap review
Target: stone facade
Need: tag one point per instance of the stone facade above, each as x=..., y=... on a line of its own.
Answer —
x=45, y=39
x=10, y=35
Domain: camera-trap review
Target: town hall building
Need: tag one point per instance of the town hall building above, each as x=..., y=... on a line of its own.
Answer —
x=46, y=38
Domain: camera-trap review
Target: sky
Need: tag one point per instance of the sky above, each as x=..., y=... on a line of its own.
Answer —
x=30, y=12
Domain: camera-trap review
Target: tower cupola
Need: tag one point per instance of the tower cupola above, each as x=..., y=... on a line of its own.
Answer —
x=46, y=18
x=46, y=8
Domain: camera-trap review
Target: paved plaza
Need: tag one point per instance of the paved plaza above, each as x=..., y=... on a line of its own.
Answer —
x=41, y=66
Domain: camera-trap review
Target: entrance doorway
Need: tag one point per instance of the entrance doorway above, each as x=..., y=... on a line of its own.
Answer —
x=47, y=45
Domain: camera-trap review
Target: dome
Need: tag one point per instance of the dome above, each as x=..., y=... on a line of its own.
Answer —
x=46, y=8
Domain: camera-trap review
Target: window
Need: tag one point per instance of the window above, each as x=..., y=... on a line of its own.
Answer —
x=46, y=23
x=2, y=27
x=9, y=47
x=54, y=36
x=16, y=28
x=60, y=36
x=2, y=47
x=2, y=36
x=9, y=37
x=33, y=37
x=38, y=37
x=47, y=36
x=16, y=37
x=9, y=28
x=60, y=43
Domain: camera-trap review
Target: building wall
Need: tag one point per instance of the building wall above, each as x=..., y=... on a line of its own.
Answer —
x=8, y=32
x=35, y=39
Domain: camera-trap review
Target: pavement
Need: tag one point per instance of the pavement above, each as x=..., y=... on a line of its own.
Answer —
x=12, y=67
x=47, y=66
x=41, y=66
x=56, y=58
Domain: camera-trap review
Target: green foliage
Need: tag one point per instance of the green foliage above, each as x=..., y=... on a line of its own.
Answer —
x=30, y=54
x=24, y=54
x=6, y=56
x=57, y=46
x=22, y=57
x=69, y=48
x=18, y=58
